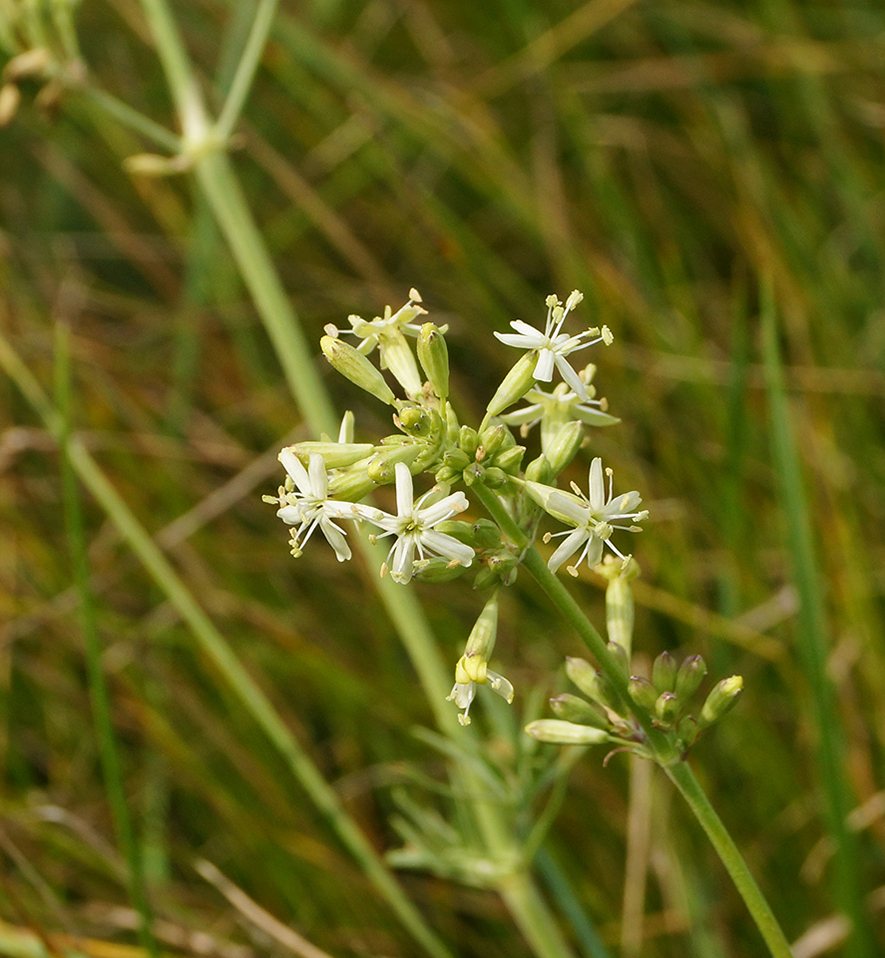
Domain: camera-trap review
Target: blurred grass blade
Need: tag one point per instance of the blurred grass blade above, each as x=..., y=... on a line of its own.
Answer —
x=216, y=648
x=101, y=708
x=813, y=642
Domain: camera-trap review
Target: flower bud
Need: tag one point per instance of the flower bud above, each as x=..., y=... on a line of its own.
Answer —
x=481, y=643
x=494, y=478
x=468, y=440
x=667, y=707
x=572, y=708
x=515, y=385
x=621, y=656
x=539, y=471
x=415, y=420
x=686, y=732
x=487, y=533
x=382, y=466
x=663, y=673
x=619, y=600
x=588, y=680
x=352, y=485
x=355, y=367
x=434, y=357
x=436, y=570
x=491, y=441
x=564, y=446
x=642, y=692
x=559, y=732
x=336, y=455
x=721, y=700
x=510, y=459
x=689, y=677
x=452, y=425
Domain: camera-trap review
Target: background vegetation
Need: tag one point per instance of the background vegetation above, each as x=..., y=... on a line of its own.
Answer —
x=671, y=159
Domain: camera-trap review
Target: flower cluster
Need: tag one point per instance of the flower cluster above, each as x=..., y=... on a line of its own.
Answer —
x=434, y=537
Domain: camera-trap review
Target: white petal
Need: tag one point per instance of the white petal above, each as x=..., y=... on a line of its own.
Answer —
x=403, y=553
x=451, y=505
x=528, y=332
x=597, y=486
x=291, y=515
x=544, y=366
x=499, y=684
x=293, y=466
x=566, y=507
x=447, y=546
x=572, y=378
x=522, y=342
x=568, y=548
x=335, y=538
x=319, y=482
x=405, y=498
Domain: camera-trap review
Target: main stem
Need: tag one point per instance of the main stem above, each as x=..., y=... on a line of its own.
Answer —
x=678, y=770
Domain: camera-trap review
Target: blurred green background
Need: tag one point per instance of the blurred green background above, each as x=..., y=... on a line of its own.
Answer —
x=669, y=159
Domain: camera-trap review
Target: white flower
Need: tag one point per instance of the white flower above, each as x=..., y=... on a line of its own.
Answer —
x=304, y=503
x=553, y=346
x=463, y=693
x=413, y=526
x=387, y=334
x=594, y=518
x=560, y=406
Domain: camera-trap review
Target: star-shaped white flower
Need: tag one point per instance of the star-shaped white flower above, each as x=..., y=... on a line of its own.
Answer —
x=304, y=503
x=413, y=526
x=553, y=345
x=463, y=693
x=595, y=517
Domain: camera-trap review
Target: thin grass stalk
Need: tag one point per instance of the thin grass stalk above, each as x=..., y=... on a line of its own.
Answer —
x=813, y=646
x=101, y=708
x=219, y=652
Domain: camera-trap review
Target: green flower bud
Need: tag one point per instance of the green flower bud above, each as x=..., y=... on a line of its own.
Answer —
x=565, y=446
x=434, y=357
x=588, y=680
x=488, y=535
x=468, y=440
x=490, y=441
x=515, y=385
x=663, y=673
x=480, y=644
x=686, y=732
x=621, y=656
x=572, y=708
x=689, y=677
x=336, y=455
x=459, y=529
x=510, y=459
x=494, y=478
x=381, y=468
x=667, y=707
x=642, y=692
x=445, y=475
x=436, y=570
x=559, y=732
x=355, y=367
x=721, y=700
x=456, y=459
x=452, y=425
x=539, y=471
x=353, y=485
x=418, y=421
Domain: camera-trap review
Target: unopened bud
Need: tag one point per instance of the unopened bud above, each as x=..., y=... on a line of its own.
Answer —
x=434, y=356
x=558, y=732
x=436, y=570
x=382, y=467
x=397, y=356
x=481, y=643
x=539, y=471
x=663, y=673
x=587, y=679
x=564, y=446
x=690, y=675
x=721, y=700
x=510, y=459
x=355, y=367
x=515, y=385
x=642, y=692
x=492, y=440
x=415, y=420
x=336, y=455
x=667, y=707
x=572, y=708
x=468, y=440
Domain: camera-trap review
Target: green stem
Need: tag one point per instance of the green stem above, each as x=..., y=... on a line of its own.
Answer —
x=684, y=779
x=245, y=72
x=101, y=707
x=679, y=771
x=253, y=701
